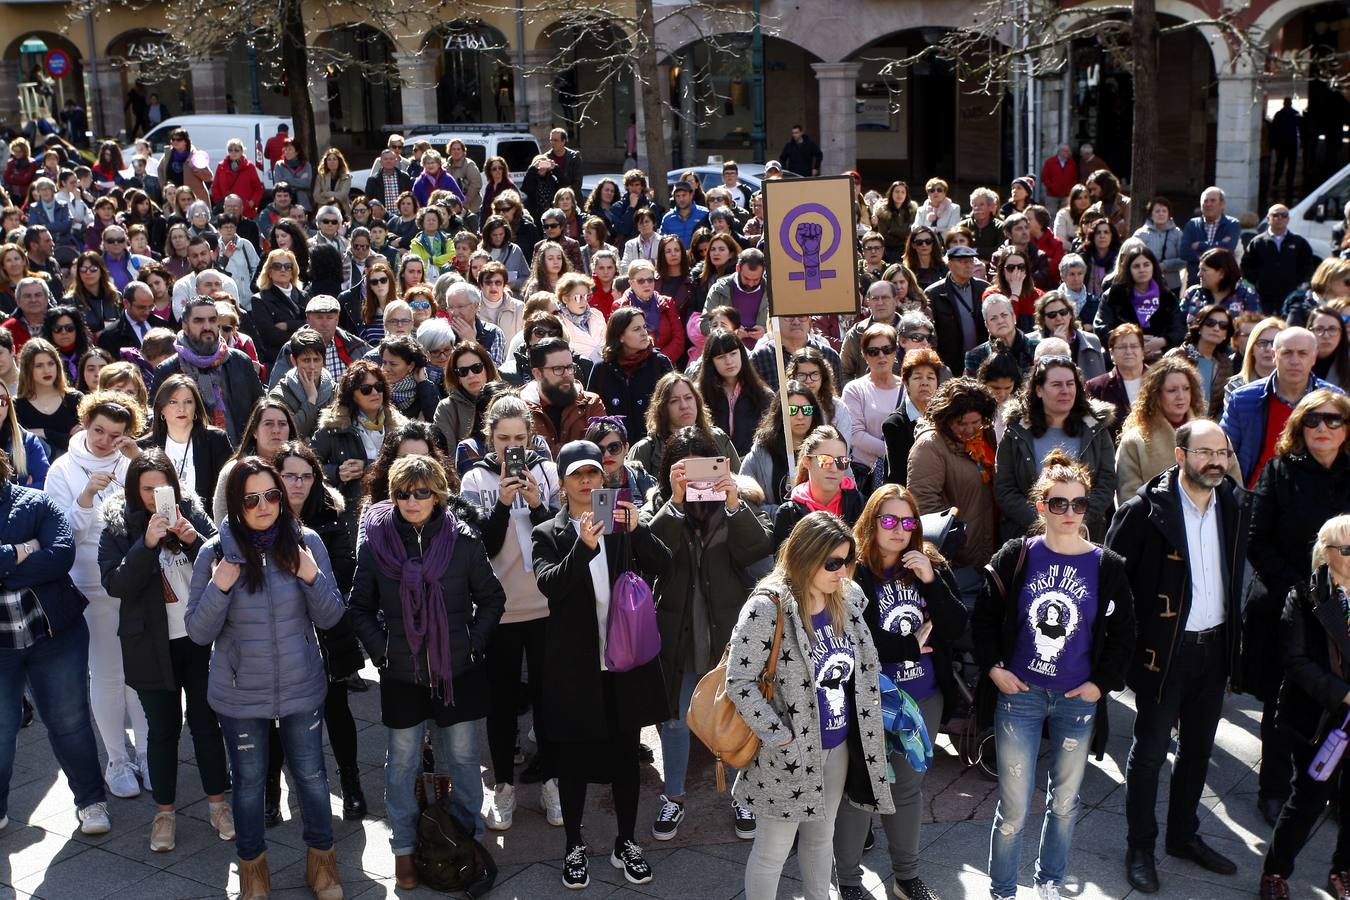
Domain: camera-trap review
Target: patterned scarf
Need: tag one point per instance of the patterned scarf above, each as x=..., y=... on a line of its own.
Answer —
x=369, y=424
x=577, y=319
x=202, y=369
x=403, y=392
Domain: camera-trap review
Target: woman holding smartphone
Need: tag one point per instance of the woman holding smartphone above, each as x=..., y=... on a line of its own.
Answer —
x=593, y=715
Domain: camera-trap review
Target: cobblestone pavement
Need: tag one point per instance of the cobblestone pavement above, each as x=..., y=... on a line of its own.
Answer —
x=43, y=855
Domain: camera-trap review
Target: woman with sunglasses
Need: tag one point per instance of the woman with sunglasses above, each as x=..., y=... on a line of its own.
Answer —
x=496, y=179
x=913, y=615
x=363, y=303
x=923, y=255
x=1306, y=483
x=823, y=481
x=147, y=564
x=622, y=472
x=269, y=426
x=470, y=367
x=1208, y=346
x=594, y=715
x=715, y=543
x=179, y=427
x=677, y=403
x=259, y=589
x=92, y=291
x=65, y=329
x=353, y=427
x=1056, y=316
x=1053, y=629
x=513, y=503
x=278, y=307
x=872, y=397
x=768, y=463
x=816, y=752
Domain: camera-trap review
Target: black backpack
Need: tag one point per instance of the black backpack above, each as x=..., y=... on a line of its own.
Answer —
x=448, y=859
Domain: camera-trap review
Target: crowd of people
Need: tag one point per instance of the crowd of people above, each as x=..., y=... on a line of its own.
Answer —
x=255, y=438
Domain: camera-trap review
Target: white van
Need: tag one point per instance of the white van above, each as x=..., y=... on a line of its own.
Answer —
x=212, y=133
x=1322, y=210
x=514, y=143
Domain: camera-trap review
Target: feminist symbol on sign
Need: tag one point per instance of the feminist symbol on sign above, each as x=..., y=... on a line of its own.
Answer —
x=806, y=250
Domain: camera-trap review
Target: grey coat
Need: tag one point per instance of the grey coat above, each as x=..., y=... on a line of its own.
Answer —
x=289, y=392
x=454, y=417
x=786, y=782
x=266, y=662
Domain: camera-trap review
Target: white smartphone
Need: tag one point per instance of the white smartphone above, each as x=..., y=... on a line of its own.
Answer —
x=166, y=504
x=703, y=473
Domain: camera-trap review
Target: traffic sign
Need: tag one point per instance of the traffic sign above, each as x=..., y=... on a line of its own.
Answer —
x=57, y=63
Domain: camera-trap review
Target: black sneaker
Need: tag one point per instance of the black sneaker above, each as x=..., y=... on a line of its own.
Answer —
x=534, y=772
x=745, y=821
x=668, y=819
x=628, y=856
x=848, y=892
x=913, y=889
x=576, y=868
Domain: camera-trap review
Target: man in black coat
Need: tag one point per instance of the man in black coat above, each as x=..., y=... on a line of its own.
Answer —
x=389, y=181
x=1277, y=261
x=800, y=154
x=138, y=317
x=1185, y=536
x=566, y=161
x=955, y=301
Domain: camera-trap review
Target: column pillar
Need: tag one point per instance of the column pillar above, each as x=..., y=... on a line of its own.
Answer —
x=419, y=87
x=1238, y=142
x=208, y=85
x=108, y=82
x=9, y=94
x=537, y=104
x=838, y=138
x=318, y=93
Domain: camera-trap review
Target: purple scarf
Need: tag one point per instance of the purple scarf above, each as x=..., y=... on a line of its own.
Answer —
x=419, y=580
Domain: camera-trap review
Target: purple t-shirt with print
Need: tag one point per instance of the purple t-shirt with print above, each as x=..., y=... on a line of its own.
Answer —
x=1056, y=610
x=832, y=660
x=901, y=610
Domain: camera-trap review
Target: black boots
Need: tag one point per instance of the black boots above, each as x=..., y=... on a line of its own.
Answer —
x=353, y=799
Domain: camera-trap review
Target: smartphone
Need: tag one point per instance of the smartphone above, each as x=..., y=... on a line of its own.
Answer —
x=704, y=472
x=166, y=504
x=603, y=501
x=515, y=462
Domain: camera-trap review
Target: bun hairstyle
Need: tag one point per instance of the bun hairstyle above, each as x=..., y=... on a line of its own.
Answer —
x=1058, y=467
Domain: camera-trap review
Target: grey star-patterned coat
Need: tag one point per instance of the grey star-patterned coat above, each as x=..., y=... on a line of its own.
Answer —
x=788, y=782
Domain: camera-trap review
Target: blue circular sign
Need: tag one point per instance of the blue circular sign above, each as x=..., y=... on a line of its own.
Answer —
x=57, y=63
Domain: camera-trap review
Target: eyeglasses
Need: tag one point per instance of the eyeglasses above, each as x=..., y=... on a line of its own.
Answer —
x=297, y=477
x=644, y=280
x=1206, y=455
x=875, y=248
x=1058, y=506
x=420, y=304
x=802, y=409
x=1334, y=421
x=368, y=388
x=922, y=242
x=422, y=493
x=283, y=266
x=835, y=563
x=360, y=209
x=271, y=497
x=875, y=351
x=560, y=371
x=1057, y=314
x=807, y=376
x=400, y=322
x=936, y=191
x=1014, y=267
x=85, y=270
x=66, y=328
x=384, y=279
x=541, y=332
x=825, y=461
x=471, y=369
x=613, y=448
x=114, y=240
x=906, y=523
x=1265, y=343
x=1322, y=330
x=1343, y=550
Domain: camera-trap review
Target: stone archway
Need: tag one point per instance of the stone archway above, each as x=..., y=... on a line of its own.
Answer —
x=22, y=75
x=363, y=94
x=472, y=73
x=593, y=88
x=145, y=61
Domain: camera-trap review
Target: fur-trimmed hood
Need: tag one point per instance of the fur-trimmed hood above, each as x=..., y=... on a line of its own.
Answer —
x=339, y=418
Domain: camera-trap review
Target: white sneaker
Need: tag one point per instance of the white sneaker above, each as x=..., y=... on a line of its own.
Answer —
x=143, y=768
x=503, y=808
x=551, y=802
x=94, y=819
x=222, y=820
x=121, y=780
x=163, y=831
x=1047, y=891
x=4, y=822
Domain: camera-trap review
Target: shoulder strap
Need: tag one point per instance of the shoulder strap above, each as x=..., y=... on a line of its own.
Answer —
x=1017, y=571
x=771, y=667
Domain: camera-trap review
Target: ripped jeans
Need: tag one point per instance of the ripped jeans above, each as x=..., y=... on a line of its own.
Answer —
x=1018, y=720
x=302, y=739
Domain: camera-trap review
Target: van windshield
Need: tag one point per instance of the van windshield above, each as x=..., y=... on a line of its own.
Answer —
x=159, y=137
x=518, y=154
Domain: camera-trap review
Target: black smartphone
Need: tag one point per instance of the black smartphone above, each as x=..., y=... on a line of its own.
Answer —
x=515, y=462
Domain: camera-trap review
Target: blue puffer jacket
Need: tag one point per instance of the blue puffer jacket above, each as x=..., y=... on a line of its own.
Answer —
x=25, y=515
x=266, y=662
x=1244, y=419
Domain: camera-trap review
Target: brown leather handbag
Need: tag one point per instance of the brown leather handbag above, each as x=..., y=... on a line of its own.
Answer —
x=716, y=720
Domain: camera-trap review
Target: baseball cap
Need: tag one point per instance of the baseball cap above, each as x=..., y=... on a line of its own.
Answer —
x=773, y=166
x=961, y=251
x=681, y=186
x=577, y=455
x=323, y=303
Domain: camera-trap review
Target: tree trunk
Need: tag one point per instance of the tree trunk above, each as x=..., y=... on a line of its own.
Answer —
x=1144, y=141
x=295, y=64
x=653, y=101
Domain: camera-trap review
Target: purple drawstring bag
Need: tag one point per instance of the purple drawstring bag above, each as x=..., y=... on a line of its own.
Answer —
x=631, y=635
x=1329, y=754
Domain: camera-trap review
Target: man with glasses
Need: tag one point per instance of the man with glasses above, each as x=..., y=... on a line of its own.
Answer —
x=567, y=161
x=636, y=196
x=138, y=317
x=873, y=264
x=561, y=410
x=393, y=145
x=341, y=348
x=1277, y=261
x=329, y=222
x=33, y=298
x=1257, y=412
x=1185, y=535
x=123, y=265
x=225, y=376
x=358, y=256
x=461, y=302
x=553, y=221
x=796, y=332
x=882, y=307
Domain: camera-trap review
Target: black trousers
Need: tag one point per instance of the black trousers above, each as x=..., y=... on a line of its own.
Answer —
x=1301, y=812
x=1277, y=761
x=510, y=644
x=164, y=715
x=1193, y=694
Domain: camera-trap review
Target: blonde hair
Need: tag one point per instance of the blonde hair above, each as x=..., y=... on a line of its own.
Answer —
x=122, y=371
x=18, y=456
x=1331, y=534
x=1249, y=352
x=265, y=270
x=809, y=444
x=802, y=555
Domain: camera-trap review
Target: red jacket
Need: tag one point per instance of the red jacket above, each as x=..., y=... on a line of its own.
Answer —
x=1059, y=180
x=272, y=149
x=668, y=336
x=244, y=182
x=1053, y=248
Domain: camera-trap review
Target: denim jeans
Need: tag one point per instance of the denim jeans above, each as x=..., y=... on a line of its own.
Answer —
x=302, y=738
x=56, y=670
x=456, y=756
x=675, y=741
x=1018, y=719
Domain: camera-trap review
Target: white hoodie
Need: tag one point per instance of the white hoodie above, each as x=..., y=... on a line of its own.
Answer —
x=66, y=480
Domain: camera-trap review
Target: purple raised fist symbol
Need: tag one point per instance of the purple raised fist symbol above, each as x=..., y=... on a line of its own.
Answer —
x=808, y=238
x=803, y=243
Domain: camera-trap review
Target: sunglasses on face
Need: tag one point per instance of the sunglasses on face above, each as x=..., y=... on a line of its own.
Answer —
x=905, y=523
x=875, y=351
x=825, y=461
x=368, y=388
x=1056, y=314
x=384, y=279
x=420, y=304
x=227, y=329
x=283, y=266
x=328, y=222
x=922, y=242
x=422, y=493
x=646, y=280
x=63, y=328
x=1014, y=267
x=549, y=226
x=916, y=337
x=613, y=448
x=271, y=497
x=1060, y=505
x=542, y=333
x=801, y=409
x=114, y=240
x=471, y=369
x=1223, y=323
x=1334, y=421
x=835, y=563
x=85, y=270
x=936, y=191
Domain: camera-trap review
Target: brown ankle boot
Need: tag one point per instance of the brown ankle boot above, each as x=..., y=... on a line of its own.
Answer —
x=255, y=880
x=322, y=875
x=405, y=872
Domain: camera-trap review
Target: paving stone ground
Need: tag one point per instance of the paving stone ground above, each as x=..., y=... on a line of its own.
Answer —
x=43, y=855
